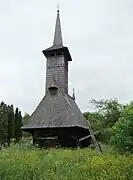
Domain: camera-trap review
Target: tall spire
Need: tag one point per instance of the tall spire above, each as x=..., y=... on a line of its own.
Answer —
x=58, y=35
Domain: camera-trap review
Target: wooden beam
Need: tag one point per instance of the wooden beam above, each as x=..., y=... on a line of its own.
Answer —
x=47, y=138
x=97, y=145
x=83, y=138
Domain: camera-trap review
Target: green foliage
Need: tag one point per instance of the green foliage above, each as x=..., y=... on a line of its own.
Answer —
x=115, y=122
x=18, y=124
x=105, y=135
x=109, y=109
x=122, y=137
x=96, y=119
x=25, y=120
x=25, y=163
x=4, y=123
x=9, y=124
x=107, y=113
x=1, y=124
x=26, y=117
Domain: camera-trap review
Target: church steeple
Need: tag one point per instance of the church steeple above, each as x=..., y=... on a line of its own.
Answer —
x=57, y=60
x=58, y=42
x=57, y=115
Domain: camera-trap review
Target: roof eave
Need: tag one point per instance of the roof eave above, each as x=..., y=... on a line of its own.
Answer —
x=53, y=49
x=54, y=127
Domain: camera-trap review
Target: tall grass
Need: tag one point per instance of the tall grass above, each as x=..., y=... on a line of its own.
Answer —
x=23, y=162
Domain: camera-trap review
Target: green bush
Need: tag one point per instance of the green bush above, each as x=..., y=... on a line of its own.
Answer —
x=122, y=137
x=106, y=135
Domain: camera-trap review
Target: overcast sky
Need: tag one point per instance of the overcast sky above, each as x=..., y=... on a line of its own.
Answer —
x=98, y=33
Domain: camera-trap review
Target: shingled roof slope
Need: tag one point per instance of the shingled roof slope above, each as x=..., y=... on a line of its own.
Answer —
x=56, y=111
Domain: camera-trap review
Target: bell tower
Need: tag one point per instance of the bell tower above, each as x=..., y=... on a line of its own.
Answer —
x=57, y=120
x=57, y=60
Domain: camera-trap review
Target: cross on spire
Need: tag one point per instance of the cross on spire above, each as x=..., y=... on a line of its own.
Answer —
x=58, y=8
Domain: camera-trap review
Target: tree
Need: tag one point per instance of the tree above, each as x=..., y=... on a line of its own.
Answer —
x=1, y=125
x=107, y=113
x=109, y=109
x=122, y=137
x=96, y=119
x=18, y=124
x=11, y=123
x=5, y=123
x=26, y=117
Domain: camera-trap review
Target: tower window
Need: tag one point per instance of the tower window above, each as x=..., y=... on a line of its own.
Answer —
x=52, y=54
x=59, y=53
x=53, y=90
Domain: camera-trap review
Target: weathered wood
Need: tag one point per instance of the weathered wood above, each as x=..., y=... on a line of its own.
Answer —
x=96, y=144
x=46, y=141
x=83, y=138
x=57, y=112
x=47, y=138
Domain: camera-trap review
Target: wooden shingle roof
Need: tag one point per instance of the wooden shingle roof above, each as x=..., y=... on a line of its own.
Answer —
x=56, y=110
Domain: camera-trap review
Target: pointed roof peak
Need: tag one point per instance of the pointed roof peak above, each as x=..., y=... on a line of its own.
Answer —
x=73, y=95
x=58, y=40
x=58, y=34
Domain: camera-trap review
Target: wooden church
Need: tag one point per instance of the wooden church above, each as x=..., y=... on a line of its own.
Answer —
x=57, y=121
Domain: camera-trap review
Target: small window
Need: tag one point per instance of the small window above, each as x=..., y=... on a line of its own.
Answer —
x=52, y=54
x=59, y=53
x=53, y=90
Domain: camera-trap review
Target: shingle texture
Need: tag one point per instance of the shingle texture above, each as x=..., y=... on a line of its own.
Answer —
x=56, y=110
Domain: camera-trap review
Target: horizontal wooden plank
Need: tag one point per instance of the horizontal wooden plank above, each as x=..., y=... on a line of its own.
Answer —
x=86, y=137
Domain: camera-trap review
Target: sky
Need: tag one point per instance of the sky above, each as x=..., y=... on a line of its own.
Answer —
x=99, y=35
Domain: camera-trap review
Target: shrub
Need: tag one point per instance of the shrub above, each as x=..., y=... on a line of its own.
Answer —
x=122, y=137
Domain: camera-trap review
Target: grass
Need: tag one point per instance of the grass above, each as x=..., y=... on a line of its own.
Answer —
x=23, y=162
